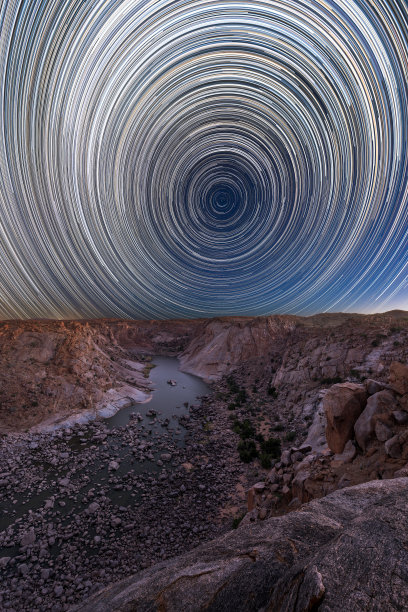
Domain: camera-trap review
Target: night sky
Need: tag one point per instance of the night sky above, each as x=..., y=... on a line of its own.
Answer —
x=198, y=158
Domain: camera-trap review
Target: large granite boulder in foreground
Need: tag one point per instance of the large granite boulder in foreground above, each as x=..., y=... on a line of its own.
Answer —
x=347, y=551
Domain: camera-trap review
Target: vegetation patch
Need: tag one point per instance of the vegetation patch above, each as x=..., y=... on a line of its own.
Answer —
x=247, y=450
x=331, y=381
x=147, y=368
x=244, y=429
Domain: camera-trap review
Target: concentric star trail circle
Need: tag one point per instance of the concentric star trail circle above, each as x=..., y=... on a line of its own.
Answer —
x=187, y=158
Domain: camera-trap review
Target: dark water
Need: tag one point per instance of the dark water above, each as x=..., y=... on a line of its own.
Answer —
x=167, y=402
x=166, y=399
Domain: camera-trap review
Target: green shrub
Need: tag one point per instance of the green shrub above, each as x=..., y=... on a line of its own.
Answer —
x=247, y=451
x=266, y=461
x=241, y=397
x=244, y=429
x=278, y=427
x=290, y=436
x=236, y=521
x=331, y=381
x=232, y=384
x=272, y=391
x=271, y=447
x=231, y=406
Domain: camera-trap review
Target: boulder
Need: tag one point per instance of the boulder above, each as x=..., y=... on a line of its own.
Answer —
x=373, y=386
x=382, y=432
x=403, y=472
x=298, y=488
x=382, y=402
x=28, y=538
x=259, y=487
x=400, y=417
x=4, y=561
x=346, y=551
x=285, y=458
x=343, y=404
x=393, y=447
x=348, y=454
x=399, y=377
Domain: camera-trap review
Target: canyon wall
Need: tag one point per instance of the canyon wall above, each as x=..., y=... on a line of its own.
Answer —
x=51, y=371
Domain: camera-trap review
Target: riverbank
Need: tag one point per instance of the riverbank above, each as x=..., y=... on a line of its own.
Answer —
x=87, y=505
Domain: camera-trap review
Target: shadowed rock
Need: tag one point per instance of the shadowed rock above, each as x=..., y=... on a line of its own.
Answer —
x=343, y=404
x=382, y=402
x=346, y=551
x=399, y=377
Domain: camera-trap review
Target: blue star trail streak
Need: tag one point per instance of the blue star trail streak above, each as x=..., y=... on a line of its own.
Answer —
x=196, y=158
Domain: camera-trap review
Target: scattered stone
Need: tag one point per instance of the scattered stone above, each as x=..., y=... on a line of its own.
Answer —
x=259, y=487
x=93, y=507
x=28, y=538
x=400, y=417
x=23, y=569
x=4, y=561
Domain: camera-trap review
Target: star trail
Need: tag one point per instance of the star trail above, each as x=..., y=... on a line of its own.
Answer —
x=198, y=158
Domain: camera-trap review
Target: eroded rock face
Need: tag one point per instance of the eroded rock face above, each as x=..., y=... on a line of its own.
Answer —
x=344, y=552
x=224, y=344
x=381, y=403
x=343, y=404
x=52, y=372
x=399, y=377
x=61, y=369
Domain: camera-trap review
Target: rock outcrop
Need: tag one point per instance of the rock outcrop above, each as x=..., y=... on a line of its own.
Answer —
x=224, y=344
x=63, y=369
x=368, y=423
x=343, y=404
x=344, y=552
x=376, y=448
x=54, y=372
x=399, y=377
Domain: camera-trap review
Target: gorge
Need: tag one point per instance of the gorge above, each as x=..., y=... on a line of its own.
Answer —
x=296, y=433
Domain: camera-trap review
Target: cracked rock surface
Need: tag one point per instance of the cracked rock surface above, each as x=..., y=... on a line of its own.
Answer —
x=346, y=551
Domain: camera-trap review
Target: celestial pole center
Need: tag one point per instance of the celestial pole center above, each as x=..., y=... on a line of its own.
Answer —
x=187, y=158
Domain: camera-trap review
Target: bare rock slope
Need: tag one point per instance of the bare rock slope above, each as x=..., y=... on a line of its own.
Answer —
x=51, y=371
x=225, y=344
x=346, y=551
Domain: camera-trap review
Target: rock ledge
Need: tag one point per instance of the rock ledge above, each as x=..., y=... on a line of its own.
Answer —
x=346, y=551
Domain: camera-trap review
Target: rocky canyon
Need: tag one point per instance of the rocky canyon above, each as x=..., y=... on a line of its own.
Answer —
x=283, y=486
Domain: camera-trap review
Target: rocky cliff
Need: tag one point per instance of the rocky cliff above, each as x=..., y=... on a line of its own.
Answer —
x=55, y=371
x=344, y=552
x=300, y=408
x=51, y=371
x=222, y=345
